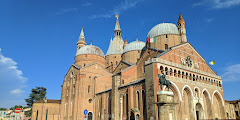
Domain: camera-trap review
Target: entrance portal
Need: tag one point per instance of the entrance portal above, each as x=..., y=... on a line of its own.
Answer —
x=199, y=111
x=132, y=117
x=197, y=115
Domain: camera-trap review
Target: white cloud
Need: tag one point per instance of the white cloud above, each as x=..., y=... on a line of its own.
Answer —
x=124, y=5
x=231, y=73
x=218, y=4
x=12, y=81
x=17, y=91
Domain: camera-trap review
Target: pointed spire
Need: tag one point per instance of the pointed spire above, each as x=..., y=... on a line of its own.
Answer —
x=180, y=19
x=81, y=38
x=125, y=42
x=117, y=26
x=81, y=34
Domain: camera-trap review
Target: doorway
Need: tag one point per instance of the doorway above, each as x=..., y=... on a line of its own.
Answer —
x=199, y=111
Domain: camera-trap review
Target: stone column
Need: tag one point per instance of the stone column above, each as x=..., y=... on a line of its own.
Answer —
x=166, y=105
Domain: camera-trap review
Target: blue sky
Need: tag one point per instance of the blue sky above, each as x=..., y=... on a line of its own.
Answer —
x=38, y=38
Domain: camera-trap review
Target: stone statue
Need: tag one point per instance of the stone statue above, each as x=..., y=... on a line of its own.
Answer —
x=163, y=81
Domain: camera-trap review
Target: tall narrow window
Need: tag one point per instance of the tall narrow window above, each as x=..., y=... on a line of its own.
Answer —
x=143, y=102
x=138, y=101
x=37, y=115
x=116, y=62
x=89, y=89
x=166, y=46
x=166, y=36
x=46, y=113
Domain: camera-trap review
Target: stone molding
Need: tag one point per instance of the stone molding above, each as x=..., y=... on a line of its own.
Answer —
x=157, y=60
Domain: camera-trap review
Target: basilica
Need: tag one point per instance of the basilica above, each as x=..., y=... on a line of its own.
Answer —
x=124, y=83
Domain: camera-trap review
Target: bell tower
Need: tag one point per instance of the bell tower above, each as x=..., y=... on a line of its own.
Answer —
x=81, y=40
x=115, y=49
x=182, y=29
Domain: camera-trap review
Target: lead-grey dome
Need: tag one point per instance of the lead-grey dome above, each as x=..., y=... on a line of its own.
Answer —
x=163, y=28
x=90, y=49
x=135, y=45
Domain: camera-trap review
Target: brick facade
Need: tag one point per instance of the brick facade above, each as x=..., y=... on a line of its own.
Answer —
x=125, y=86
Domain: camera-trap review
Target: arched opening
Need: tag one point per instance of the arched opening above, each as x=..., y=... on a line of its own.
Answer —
x=182, y=74
x=90, y=116
x=186, y=75
x=228, y=117
x=199, y=111
x=177, y=98
x=187, y=104
x=179, y=74
x=166, y=47
x=207, y=105
x=171, y=72
x=218, y=106
x=175, y=73
x=138, y=100
x=137, y=117
x=190, y=76
x=132, y=116
x=166, y=71
x=161, y=69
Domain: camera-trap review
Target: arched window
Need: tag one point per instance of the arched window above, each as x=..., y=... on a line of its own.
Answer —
x=90, y=116
x=166, y=71
x=166, y=36
x=138, y=100
x=166, y=47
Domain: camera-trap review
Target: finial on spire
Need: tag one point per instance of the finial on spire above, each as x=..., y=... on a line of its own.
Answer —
x=117, y=16
x=117, y=26
x=137, y=38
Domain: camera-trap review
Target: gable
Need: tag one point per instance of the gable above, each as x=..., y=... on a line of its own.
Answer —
x=95, y=69
x=121, y=66
x=73, y=70
x=177, y=53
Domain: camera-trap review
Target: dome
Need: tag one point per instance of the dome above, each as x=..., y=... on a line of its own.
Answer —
x=163, y=28
x=90, y=49
x=135, y=45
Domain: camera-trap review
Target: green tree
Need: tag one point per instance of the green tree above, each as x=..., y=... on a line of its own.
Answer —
x=16, y=106
x=37, y=93
x=3, y=108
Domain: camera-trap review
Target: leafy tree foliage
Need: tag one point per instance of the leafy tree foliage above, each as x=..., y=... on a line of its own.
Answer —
x=3, y=108
x=37, y=93
x=16, y=106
